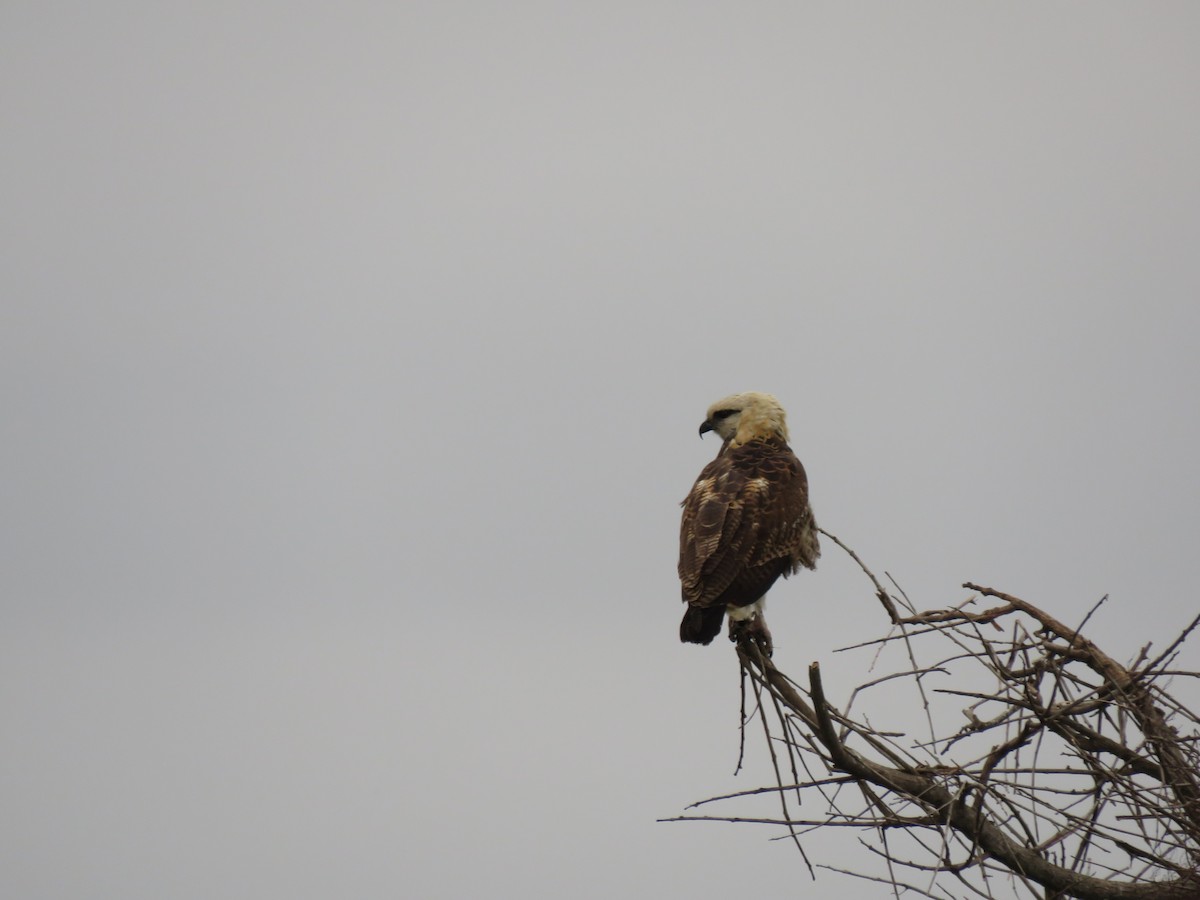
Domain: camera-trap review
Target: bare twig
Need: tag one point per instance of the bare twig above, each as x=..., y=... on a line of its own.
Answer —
x=1070, y=776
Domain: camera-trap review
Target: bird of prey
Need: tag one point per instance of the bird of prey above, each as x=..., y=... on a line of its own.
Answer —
x=746, y=522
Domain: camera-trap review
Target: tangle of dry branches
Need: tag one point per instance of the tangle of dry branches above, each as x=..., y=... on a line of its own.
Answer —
x=1069, y=774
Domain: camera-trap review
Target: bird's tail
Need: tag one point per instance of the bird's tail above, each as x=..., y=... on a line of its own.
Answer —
x=700, y=625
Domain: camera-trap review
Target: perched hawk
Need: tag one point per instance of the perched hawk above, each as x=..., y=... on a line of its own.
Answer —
x=745, y=522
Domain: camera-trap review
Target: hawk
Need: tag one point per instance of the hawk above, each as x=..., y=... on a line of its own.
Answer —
x=746, y=522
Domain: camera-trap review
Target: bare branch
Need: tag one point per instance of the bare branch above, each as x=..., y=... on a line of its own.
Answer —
x=1069, y=775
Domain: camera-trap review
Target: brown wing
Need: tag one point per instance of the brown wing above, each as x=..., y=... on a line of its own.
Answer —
x=745, y=523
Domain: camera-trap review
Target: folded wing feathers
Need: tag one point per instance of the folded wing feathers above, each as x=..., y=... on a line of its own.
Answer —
x=749, y=507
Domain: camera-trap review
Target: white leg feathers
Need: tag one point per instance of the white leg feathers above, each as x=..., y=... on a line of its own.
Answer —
x=741, y=613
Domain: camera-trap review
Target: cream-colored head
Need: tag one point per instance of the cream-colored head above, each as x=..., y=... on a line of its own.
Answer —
x=744, y=417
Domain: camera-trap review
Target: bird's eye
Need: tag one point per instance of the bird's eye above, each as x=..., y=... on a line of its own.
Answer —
x=723, y=414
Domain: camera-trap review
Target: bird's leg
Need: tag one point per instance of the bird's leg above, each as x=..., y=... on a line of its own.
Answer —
x=753, y=630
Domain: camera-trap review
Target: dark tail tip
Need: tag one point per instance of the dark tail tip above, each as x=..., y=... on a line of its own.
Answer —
x=700, y=626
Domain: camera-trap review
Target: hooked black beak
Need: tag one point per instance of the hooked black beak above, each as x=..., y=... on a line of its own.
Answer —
x=706, y=425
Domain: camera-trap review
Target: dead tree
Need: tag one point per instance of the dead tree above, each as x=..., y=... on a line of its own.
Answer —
x=1068, y=775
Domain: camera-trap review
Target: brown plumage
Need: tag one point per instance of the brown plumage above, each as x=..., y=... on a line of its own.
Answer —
x=746, y=521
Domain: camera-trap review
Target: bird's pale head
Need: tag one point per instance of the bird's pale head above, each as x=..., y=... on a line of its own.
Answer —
x=745, y=417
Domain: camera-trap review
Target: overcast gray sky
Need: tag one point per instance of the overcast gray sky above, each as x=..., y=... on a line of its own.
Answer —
x=353, y=356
